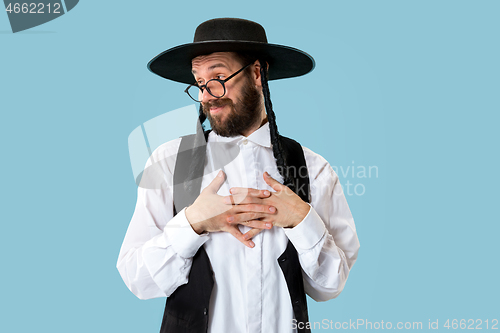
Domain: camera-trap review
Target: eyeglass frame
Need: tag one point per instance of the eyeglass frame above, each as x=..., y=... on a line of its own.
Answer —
x=222, y=82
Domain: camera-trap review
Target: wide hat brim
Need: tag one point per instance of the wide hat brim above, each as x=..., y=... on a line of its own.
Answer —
x=284, y=61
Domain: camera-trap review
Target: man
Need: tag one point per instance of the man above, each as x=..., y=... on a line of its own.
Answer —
x=240, y=254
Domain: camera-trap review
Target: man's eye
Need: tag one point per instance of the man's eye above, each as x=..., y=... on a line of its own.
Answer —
x=220, y=77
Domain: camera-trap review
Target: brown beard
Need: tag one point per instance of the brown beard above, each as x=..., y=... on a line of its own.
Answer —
x=242, y=116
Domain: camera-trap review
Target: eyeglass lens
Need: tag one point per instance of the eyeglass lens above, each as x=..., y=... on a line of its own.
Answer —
x=214, y=87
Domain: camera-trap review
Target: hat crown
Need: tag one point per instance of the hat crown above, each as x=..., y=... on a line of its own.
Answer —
x=231, y=35
x=230, y=29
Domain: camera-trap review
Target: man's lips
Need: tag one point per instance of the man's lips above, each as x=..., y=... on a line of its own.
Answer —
x=214, y=110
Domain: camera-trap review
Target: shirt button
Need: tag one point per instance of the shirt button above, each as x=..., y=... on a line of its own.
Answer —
x=244, y=141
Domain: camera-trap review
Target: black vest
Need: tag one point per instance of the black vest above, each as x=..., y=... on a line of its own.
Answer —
x=186, y=310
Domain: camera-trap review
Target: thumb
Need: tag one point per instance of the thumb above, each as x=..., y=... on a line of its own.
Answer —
x=272, y=182
x=217, y=182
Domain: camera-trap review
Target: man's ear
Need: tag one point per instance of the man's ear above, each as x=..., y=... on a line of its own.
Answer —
x=256, y=73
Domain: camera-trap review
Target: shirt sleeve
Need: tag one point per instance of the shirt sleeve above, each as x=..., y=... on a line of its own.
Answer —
x=326, y=239
x=156, y=255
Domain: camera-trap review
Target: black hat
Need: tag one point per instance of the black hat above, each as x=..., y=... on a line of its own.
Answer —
x=231, y=35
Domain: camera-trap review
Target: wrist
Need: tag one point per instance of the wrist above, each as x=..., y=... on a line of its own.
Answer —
x=302, y=211
x=195, y=222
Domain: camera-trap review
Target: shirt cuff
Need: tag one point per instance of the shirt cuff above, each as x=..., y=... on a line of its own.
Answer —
x=308, y=232
x=183, y=238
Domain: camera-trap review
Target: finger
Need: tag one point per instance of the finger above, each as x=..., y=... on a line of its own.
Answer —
x=235, y=231
x=252, y=208
x=217, y=182
x=272, y=182
x=252, y=192
x=258, y=224
x=229, y=200
x=246, y=196
x=251, y=220
x=242, y=199
x=251, y=233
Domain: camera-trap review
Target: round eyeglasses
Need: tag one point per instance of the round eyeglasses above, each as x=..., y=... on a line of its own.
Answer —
x=215, y=87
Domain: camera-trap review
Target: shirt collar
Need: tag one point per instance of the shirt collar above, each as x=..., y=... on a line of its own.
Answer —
x=261, y=137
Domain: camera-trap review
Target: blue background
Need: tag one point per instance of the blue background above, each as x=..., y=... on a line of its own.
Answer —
x=411, y=87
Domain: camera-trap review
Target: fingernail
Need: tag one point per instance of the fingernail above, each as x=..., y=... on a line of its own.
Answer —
x=219, y=174
x=230, y=219
x=269, y=225
x=231, y=191
x=266, y=174
x=252, y=244
x=266, y=192
x=272, y=209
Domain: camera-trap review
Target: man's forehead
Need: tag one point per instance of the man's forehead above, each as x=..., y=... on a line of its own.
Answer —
x=225, y=58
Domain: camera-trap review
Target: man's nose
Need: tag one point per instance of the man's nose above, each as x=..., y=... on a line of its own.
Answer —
x=205, y=96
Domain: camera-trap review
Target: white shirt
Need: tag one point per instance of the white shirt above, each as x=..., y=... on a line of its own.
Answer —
x=250, y=292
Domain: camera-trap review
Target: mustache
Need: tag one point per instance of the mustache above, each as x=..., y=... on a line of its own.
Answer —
x=216, y=103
